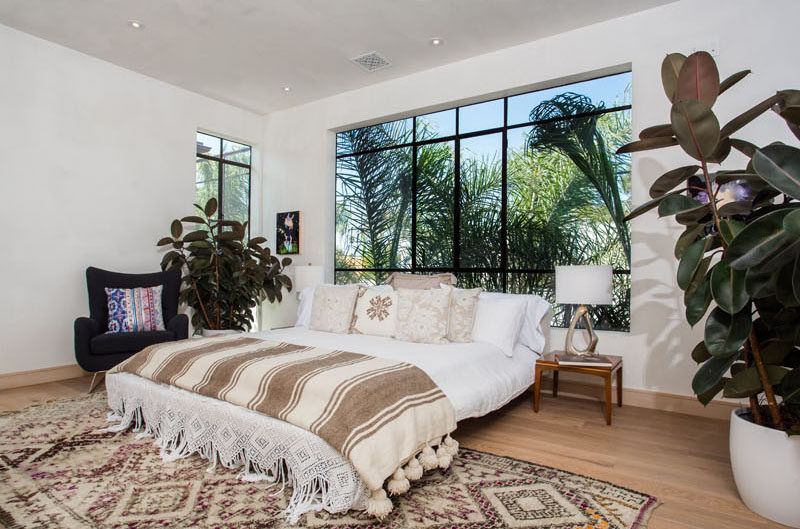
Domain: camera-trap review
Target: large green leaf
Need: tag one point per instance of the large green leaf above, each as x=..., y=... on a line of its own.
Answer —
x=739, y=207
x=700, y=354
x=763, y=242
x=650, y=204
x=698, y=79
x=199, y=235
x=670, y=179
x=709, y=395
x=779, y=165
x=687, y=238
x=692, y=216
x=176, y=228
x=697, y=300
x=690, y=261
x=732, y=80
x=786, y=292
x=790, y=386
x=725, y=333
x=657, y=142
x=730, y=228
x=759, y=283
x=211, y=207
x=745, y=147
x=775, y=351
x=727, y=288
x=673, y=204
x=791, y=223
x=747, y=382
x=696, y=128
x=656, y=131
x=789, y=106
x=670, y=68
x=709, y=374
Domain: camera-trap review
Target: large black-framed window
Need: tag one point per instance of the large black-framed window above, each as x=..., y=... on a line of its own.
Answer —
x=498, y=192
x=223, y=171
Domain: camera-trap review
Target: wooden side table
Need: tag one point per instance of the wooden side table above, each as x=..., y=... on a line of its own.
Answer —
x=549, y=363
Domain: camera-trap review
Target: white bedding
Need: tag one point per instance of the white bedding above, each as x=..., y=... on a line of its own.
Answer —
x=477, y=377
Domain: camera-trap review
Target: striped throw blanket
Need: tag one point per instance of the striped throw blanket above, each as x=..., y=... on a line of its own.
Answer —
x=383, y=415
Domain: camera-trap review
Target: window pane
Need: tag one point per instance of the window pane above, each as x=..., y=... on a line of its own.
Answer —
x=236, y=193
x=207, y=144
x=375, y=137
x=436, y=125
x=370, y=278
x=236, y=152
x=435, y=205
x=482, y=116
x=373, y=210
x=206, y=180
x=488, y=281
x=605, y=92
x=481, y=201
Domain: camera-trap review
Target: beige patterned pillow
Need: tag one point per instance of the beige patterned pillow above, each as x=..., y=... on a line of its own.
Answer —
x=462, y=313
x=376, y=312
x=422, y=315
x=332, y=310
x=400, y=280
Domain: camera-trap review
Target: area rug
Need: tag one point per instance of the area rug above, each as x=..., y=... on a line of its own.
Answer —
x=58, y=471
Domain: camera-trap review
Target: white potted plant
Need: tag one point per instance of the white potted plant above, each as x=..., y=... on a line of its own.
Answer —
x=739, y=257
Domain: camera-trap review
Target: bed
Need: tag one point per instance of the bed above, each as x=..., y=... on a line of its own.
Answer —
x=476, y=378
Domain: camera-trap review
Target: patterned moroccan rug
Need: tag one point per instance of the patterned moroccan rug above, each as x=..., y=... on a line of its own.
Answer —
x=57, y=471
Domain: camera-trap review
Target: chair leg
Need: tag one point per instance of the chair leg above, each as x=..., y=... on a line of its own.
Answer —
x=92, y=384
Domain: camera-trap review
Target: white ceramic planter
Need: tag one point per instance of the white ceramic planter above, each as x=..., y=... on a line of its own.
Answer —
x=207, y=333
x=766, y=468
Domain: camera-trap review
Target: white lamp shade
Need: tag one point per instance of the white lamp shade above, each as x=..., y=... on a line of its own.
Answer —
x=307, y=276
x=583, y=285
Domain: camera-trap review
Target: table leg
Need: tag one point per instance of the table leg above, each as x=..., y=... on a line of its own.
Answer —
x=619, y=387
x=608, y=398
x=555, y=383
x=537, y=389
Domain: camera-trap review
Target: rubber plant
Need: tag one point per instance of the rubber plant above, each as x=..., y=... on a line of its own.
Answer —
x=224, y=276
x=739, y=254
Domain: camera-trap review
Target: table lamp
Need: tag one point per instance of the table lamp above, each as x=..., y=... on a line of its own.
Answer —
x=307, y=276
x=583, y=285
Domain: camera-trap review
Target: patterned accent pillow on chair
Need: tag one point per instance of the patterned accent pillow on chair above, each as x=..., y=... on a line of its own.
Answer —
x=376, y=312
x=135, y=309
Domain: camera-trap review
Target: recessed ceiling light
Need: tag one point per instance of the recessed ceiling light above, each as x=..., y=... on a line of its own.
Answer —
x=436, y=41
x=287, y=88
x=135, y=24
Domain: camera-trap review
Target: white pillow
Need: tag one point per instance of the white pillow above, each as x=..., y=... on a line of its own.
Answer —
x=333, y=306
x=307, y=301
x=422, y=315
x=376, y=312
x=532, y=335
x=498, y=322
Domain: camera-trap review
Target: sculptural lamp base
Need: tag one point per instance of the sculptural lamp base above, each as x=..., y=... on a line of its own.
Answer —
x=569, y=347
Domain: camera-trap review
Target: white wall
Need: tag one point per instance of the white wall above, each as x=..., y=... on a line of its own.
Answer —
x=95, y=162
x=299, y=143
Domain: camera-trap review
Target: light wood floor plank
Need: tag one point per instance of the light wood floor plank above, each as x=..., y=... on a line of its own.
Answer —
x=681, y=459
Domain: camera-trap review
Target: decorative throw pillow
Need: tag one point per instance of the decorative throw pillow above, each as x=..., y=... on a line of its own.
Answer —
x=422, y=315
x=376, y=312
x=498, y=322
x=135, y=309
x=462, y=313
x=400, y=280
x=332, y=309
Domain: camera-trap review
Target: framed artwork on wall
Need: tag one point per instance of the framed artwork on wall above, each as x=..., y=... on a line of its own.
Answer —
x=287, y=235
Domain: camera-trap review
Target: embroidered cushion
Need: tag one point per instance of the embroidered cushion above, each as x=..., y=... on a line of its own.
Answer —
x=376, y=312
x=135, y=309
x=400, y=280
x=332, y=308
x=462, y=313
x=422, y=315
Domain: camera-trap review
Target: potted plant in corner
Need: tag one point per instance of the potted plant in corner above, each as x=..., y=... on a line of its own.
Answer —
x=224, y=277
x=740, y=257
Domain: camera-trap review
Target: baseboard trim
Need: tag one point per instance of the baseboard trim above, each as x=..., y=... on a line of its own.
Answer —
x=40, y=376
x=642, y=398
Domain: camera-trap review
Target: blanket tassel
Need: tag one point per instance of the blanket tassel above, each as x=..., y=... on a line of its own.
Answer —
x=428, y=458
x=443, y=457
x=379, y=505
x=398, y=484
x=413, y=470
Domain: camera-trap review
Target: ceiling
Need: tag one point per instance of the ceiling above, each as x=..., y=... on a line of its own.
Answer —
x=244, y=52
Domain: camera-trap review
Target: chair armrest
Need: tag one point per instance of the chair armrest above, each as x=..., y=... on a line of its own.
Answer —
x=179, y=324
x=85, y=330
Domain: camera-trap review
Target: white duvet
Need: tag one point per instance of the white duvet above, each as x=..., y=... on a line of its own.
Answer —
x=477, y=377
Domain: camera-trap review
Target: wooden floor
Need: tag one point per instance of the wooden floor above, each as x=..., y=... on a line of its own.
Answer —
x=680, y=459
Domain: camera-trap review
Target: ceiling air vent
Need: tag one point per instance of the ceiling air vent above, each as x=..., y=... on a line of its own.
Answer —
x=372, y=61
